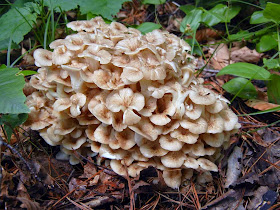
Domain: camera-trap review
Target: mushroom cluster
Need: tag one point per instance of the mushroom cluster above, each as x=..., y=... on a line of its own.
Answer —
x=131, y=98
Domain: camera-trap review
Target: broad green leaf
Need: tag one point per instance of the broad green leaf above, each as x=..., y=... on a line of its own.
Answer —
x=192, y=19
x=90, y=16
x=105, y=8
x=187, y=8
x=12, y=97
x=3, y=66
x=272, y=63
x=234, y=86
x=241, y=35
x=220, y=13
x=27, y=72
x=267, y=42
x=34, y=6
x=257, y=18
x=156, y=2
x=11, y=121
x=148, y=27
x=272, y=12
x=196, y=50
x=273, y=89
x=20, y=3
x=246, y=70
x=4, y=44
x=64, y=5
x=16, y=23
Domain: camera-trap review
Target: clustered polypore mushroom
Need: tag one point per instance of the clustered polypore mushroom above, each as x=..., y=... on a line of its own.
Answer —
x=131, y=98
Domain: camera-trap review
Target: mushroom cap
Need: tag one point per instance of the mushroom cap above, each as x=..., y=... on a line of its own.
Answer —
x=42, y=57
x=72, y=143
x=202, y=96
x=103, y=134
x=61, y=55
x=214, y=140
x=184, y=135
x=207, y=164
x=215, y=124
x=170, y=144
x=155, y=37
x=134, y=170
x=172, y=178
x=216, y=107
x=193, y=111
x=61, y=104
x=230, y=119
x=195, y=126
x=191, y=162
x=117, y=167
x=125, y=139
x=151, y=149
x=124, y=99
x=106, y=152
x=173, y=159
x=78, y=100
x=146, y=129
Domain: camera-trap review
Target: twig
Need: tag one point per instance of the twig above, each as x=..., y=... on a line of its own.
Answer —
x=65, y=196
x=2, y=142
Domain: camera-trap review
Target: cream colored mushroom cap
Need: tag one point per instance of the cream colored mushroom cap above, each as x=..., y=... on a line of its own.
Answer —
x=42, y=57
x=172, y=178
x=173, y=159
x=202, y=96
x=117, y=167
x=207, y=164
x=195, y=126
x=170, y=144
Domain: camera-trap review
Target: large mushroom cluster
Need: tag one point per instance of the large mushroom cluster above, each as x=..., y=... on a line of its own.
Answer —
x=130, y=98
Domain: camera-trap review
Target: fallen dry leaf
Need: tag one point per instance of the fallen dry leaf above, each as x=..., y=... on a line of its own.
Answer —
x=245, y=55
x=207, y=34
x=258, y=194
x=234, y=166
x=260, y=105
x=221, y=57
x=27, y=59
x=29, y=204
x=89, y=170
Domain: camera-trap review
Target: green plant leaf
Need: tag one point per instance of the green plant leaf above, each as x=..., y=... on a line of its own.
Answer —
x=246, y=70
x=64, y=5
x=90, y=16
x=5, y=43
x=273, y=89
x=193, y=19
x=267, y=42
x=257, y=18
x=196, y=50
x=27, y=72
x=187, y=8
x=156, y=2
x=220, y=13
x=272, y=63
x=241, y=35
x=248, y=89
x=148, y=27
x=272, y=12
x=106, y=8
x=13, y=24
x=12, y=97
x=11, y=121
